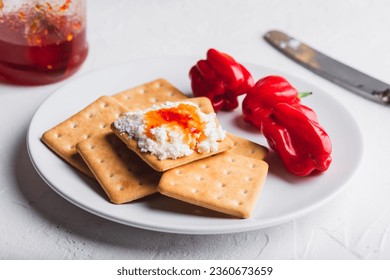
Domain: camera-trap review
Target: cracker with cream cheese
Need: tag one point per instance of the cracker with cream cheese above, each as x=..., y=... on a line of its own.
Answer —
x=158, y=164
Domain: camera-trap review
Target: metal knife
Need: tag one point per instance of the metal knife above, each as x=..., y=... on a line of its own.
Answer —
x=329, y=68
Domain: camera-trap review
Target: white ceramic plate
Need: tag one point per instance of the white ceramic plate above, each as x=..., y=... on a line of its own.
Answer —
x=284, y=196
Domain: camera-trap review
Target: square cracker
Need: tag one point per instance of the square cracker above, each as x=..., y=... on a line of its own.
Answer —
x=145, y=95
x=121, y=173
x=92, y=120
x=229, y=183
x=163, y=165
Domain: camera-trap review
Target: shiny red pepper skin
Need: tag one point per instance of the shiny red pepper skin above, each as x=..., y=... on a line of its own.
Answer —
x=220, y=78
x=266, y=93
x=300, y=141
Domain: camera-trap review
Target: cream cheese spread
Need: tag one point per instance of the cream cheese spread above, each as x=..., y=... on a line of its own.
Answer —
x=172, y=129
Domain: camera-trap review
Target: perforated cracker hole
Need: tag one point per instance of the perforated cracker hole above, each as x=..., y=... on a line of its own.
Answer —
x=248, y=179
x=171, y=93
x=120, y=188
x=227, y=172
x=87, y=136
x=90, y=115
x=194, y=190
x=142, y=91
x=103, y=125
x=91, y=146
x=158, y=85
x=220, y=185
x=199, y=178
x=178, y=172
x=153, y=100
x=253, y=152
x=253, y=165
x=128, y=97
x=205, y=166
x=231, y=159
x=104, y=105
x=101, y=161
x=58, y=135
x=74, y=125
x=111, y=175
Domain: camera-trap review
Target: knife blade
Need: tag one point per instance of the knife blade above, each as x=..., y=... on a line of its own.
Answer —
x=329, y=68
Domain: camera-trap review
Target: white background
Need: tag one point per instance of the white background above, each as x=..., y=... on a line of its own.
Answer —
x=36, y=223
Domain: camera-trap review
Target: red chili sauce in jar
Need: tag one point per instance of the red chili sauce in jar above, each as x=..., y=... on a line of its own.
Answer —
x=40, y=44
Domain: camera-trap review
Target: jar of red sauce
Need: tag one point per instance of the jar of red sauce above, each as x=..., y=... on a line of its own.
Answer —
x=41, y=42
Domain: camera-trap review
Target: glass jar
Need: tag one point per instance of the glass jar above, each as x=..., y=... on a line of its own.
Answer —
x=41, y=42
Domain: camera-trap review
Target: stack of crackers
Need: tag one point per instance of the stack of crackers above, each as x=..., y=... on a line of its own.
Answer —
x=228, y=180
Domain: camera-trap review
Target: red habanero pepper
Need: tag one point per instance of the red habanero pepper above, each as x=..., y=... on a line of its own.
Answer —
x=266, y=93
x=299, y=140
x=220, y=78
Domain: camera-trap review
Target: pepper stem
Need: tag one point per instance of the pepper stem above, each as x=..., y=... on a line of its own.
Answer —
x=304, y=94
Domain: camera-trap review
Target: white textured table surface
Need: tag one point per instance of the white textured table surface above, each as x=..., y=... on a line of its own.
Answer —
x=36, y=223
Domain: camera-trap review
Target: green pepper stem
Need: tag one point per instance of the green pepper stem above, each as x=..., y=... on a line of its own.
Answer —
x=304, y=94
